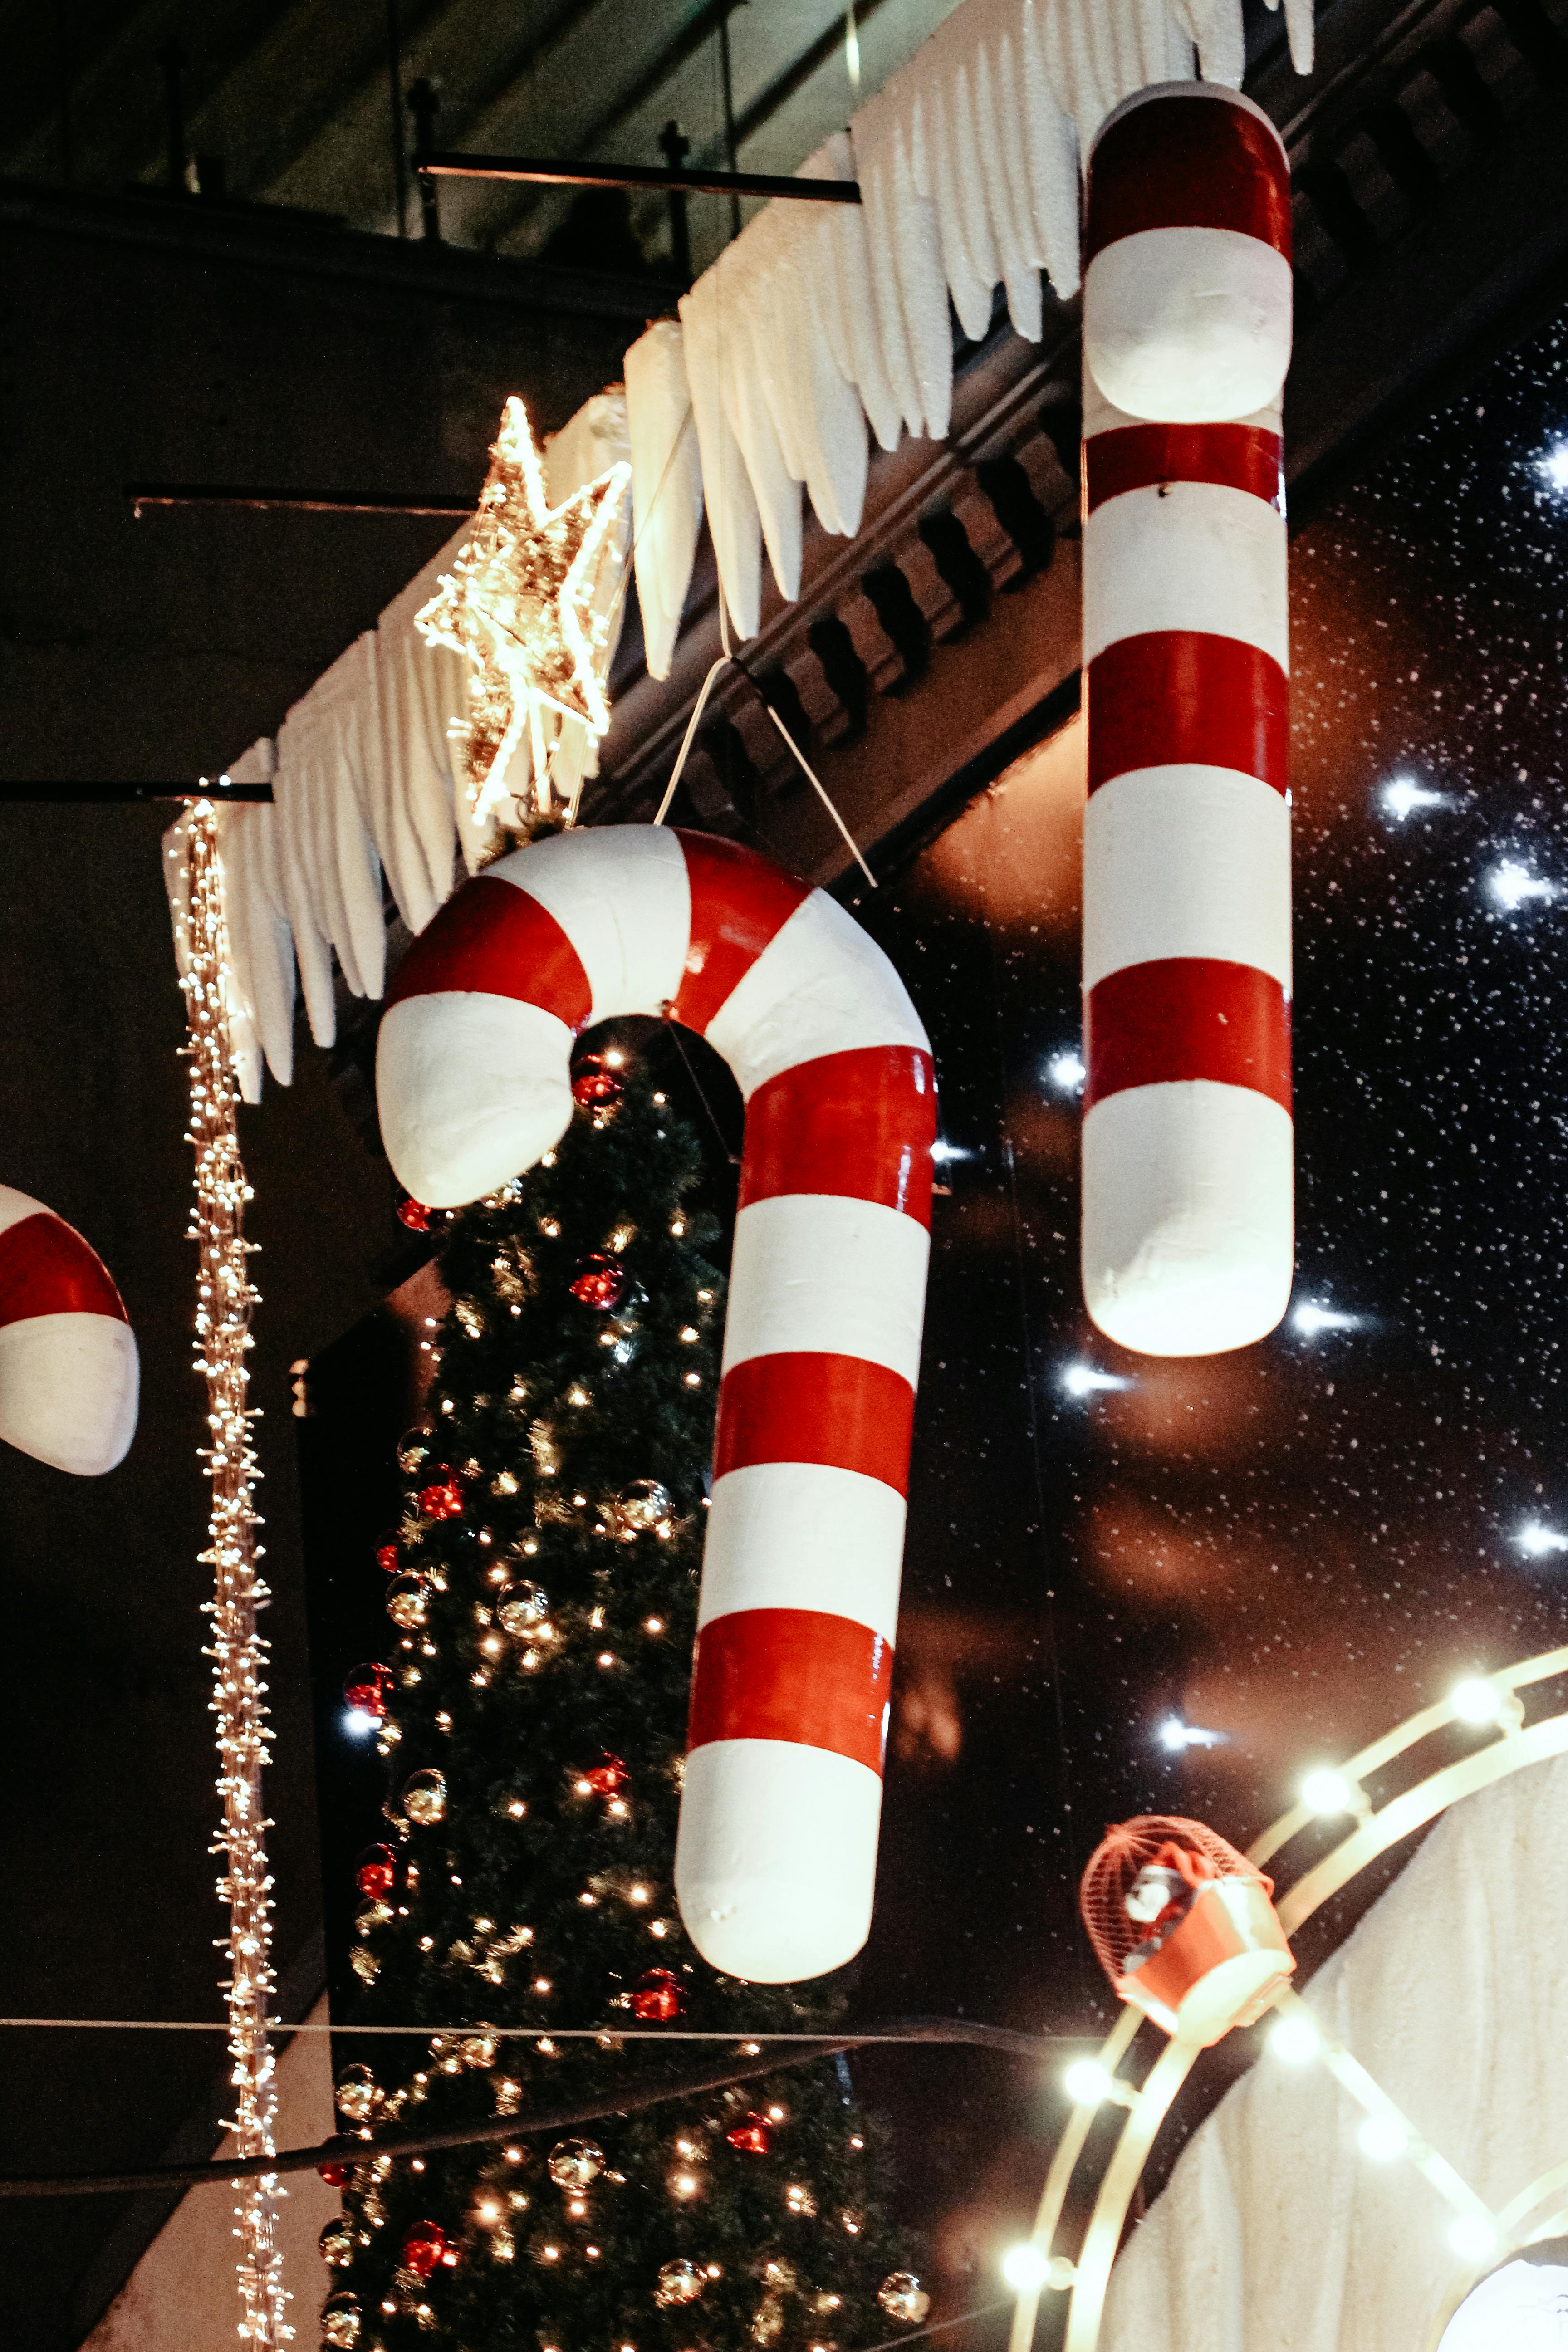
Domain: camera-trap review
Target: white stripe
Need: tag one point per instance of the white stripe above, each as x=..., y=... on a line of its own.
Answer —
x=621, y=894
x=775, y=1863
x=1188, y=1241
x=68, y=1390
x=820, y=986
x=823, y=1273
x=1100, y=416
x=1186, y=861
x=471, y=1089
x=1200, y=556
x=804, y=1535
x=1188, y=325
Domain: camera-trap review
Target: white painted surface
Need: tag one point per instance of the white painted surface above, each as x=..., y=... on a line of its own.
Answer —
x=775, y=1863
x=1188, y=325
x=1188, y=1242
x=471, y=1090
x=68, y=1388
x=804, y=1535
x=829, y=1275
x=820, y=986
x=181, y=2296
x=1276, y=2234
x=622, y=895
x=1186, y=861
x=1186, y=555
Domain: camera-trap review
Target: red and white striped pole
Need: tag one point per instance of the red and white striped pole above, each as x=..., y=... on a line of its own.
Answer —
x=775, y=1863
x=1187, y=1242
x=68, y=1368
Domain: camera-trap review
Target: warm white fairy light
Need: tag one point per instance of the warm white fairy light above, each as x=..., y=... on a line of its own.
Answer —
x=521, y=604
x=223, y=1300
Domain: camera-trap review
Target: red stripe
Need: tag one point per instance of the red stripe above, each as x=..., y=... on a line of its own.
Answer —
x=495, y=940
x=1137, y=456
x=740, y=903
x=843, y=1411
x=859, y=1124
x=793, y=1673
x=1188, y=162
x=1187, y=1017
x=46, y=1268
x=1170, y=696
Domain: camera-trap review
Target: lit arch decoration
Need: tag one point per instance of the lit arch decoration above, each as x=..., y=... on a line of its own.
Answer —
x=1536, y=2211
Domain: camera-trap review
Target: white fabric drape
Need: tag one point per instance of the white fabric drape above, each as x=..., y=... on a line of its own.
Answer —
x=1276, y=2233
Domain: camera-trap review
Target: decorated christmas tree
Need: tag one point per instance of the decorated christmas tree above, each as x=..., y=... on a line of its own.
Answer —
x=542, y=1597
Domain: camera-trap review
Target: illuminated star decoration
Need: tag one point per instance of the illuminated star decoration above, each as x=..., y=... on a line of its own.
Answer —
x=521, y=606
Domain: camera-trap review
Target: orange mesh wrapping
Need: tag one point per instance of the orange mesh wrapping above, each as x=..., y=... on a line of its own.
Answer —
x=1198, y=1852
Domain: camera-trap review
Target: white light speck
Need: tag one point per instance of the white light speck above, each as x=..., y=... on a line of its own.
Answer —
x=1511, y=884
x=1474, y=2237
x=1404, y=796
x=1026, y=2268
x=357, y=1722
x=1087, y=2082
x=1082, y=1379
x=945, y=1153
x=1538, y=1540
x=1383, y=2138
x=1554, y=466
x=1310, y=1319
x=1476, y=1700
x=1178, y=1735
x=1067, y=1072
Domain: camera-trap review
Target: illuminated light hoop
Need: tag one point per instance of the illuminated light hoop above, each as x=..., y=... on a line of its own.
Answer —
x=1539, y=2211
x=1516, y=1746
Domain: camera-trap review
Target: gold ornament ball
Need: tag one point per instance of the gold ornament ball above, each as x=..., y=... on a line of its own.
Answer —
x=522, y=1605
x=341, y=2320
x=678, y=2281
x=409, y=1601
x=903, y=2298
x=358, y=2094
x=645, y=1508
x=573, y=2163
x=413, y=1448
x=425, y=1798
x=336, y=2243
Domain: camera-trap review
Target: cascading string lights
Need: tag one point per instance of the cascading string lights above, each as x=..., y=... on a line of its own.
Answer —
x=225, y=1297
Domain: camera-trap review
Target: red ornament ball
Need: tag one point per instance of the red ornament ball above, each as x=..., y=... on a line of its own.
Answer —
x=443, y=1498
x=600, y=1282
x=367, y=1689
x=657, y=1999
x=334, y=2175
x=426, y=2247
x=388, y=1555
x=376, y=1873
x=415, y=1215
x=595, y=1083
x=607, y=1777
x=751, y=2136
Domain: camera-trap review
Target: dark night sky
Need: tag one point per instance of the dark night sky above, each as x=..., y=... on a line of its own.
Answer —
x=1291, y=1548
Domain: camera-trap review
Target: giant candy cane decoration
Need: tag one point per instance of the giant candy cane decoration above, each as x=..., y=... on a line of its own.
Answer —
x=68, y=1372
x=1187, y=1138
x=777, y=1850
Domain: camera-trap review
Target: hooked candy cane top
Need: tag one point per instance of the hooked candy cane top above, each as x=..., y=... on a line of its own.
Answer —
x=821, y=1346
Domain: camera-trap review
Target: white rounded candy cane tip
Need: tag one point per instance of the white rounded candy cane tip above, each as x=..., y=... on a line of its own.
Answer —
x=775, y=1861
x=68, y=1388
x=1188, y=1238
x=471, y=1089
x=1188, y=326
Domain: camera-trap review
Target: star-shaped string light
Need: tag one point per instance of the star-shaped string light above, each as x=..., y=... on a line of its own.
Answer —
x=523, y=605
